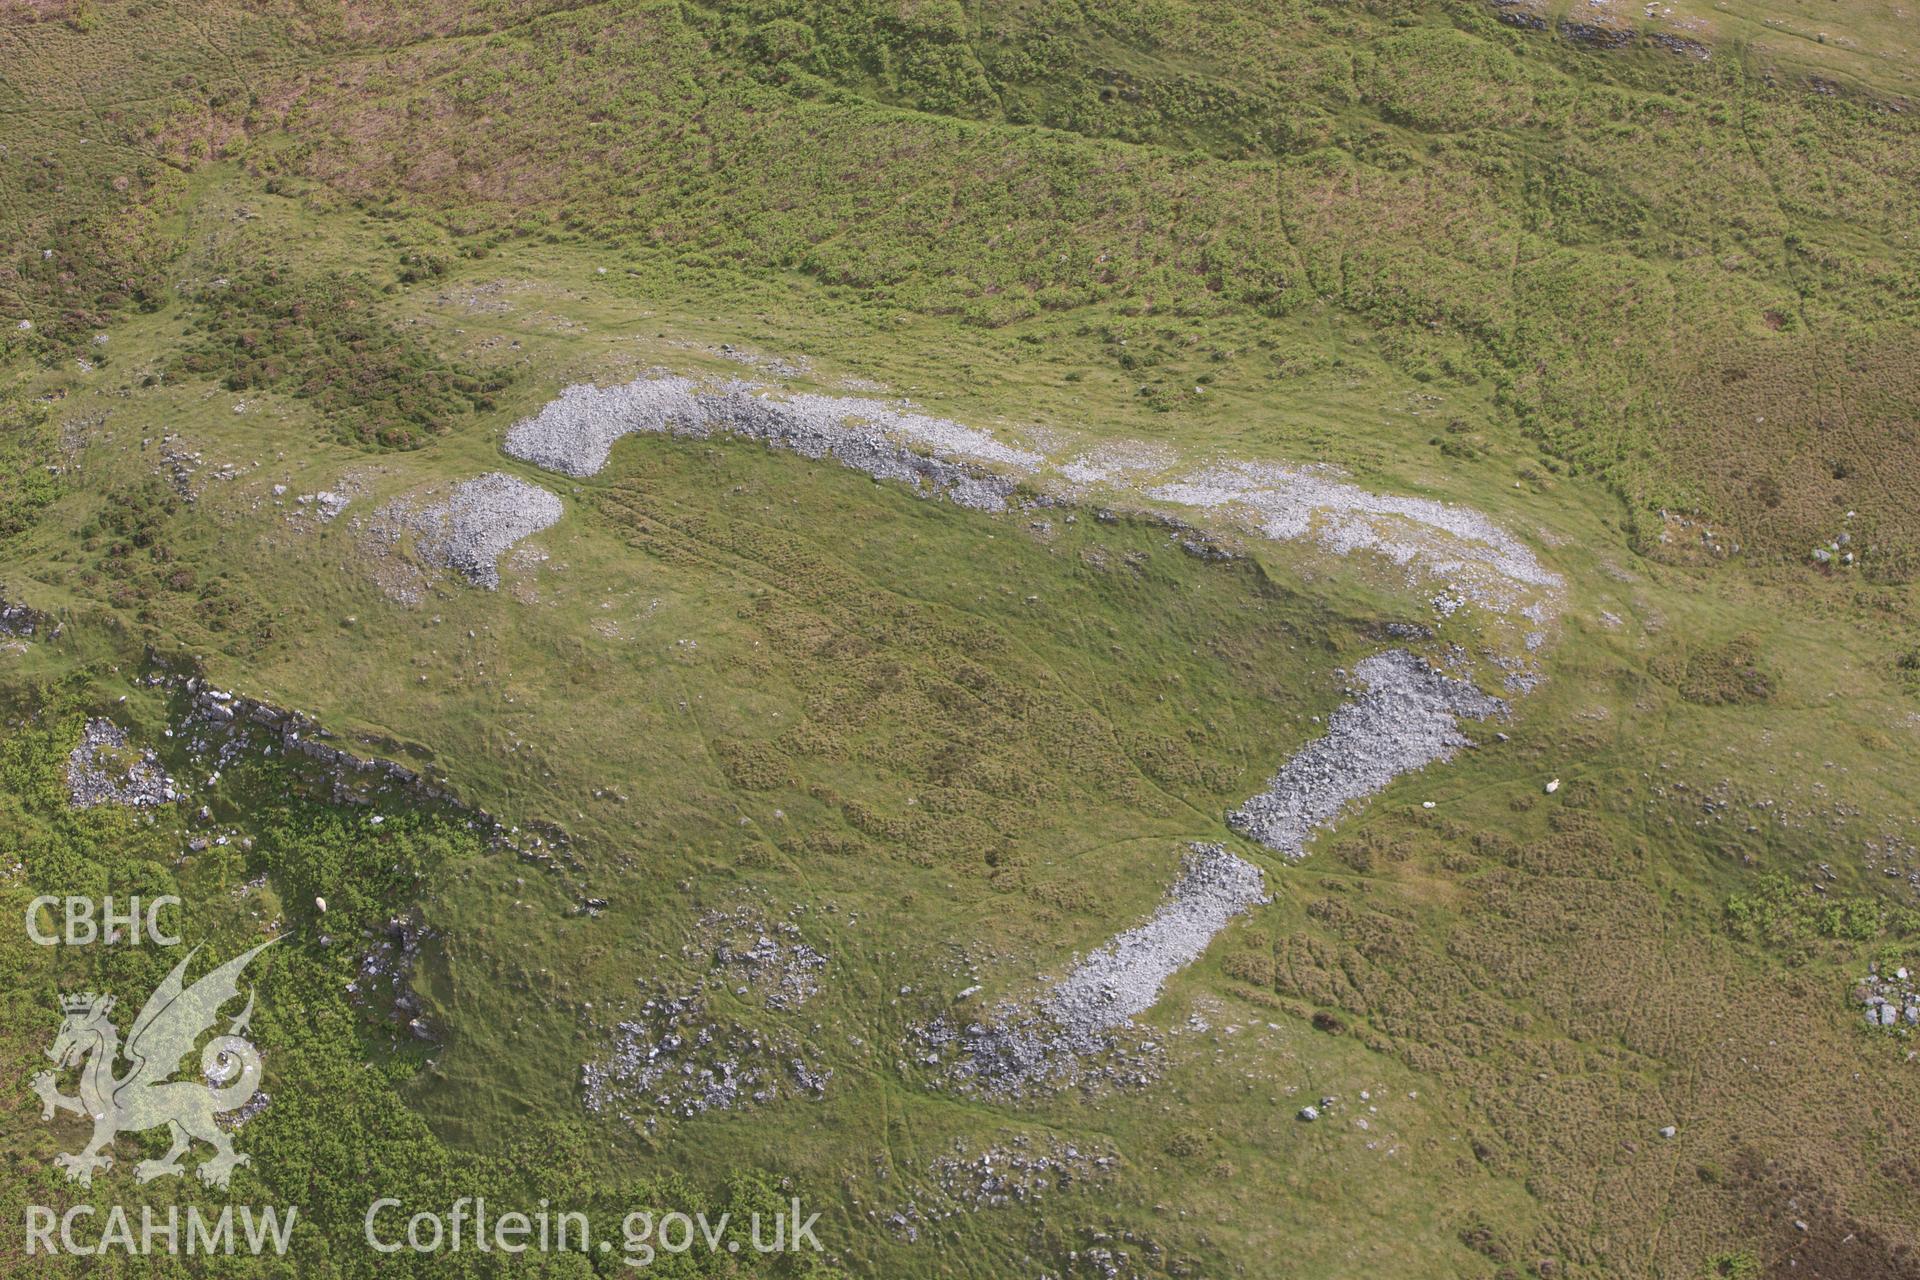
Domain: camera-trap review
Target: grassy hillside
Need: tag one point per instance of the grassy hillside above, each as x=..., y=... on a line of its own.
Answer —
x=1639, y=287
x=1639, y=253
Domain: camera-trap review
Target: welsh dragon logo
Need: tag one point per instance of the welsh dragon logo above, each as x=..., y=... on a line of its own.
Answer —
x=174, y=1018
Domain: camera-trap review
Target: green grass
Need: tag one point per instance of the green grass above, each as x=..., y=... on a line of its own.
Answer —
x=321, y=339
x=1457, y=258
x=1760, y=223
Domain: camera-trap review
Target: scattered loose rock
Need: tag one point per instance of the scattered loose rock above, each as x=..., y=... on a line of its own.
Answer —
x=474, y=526
x=772, y=963
x=1477, y=560
x=1080, y=1032
x=1407, y=719
x=325, y=505
x=103, y=769
x=1454, y=546
x=1123, y=977
x=677, y=1055
x=1892, y=1001
x=574, y=433
x=19, y=621
x=1018, y=1172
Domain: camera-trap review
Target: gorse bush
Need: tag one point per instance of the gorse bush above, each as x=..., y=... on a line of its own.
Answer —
x=29, y=476
x=335, y=1131
x=323, y=340
x=1779, y=910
